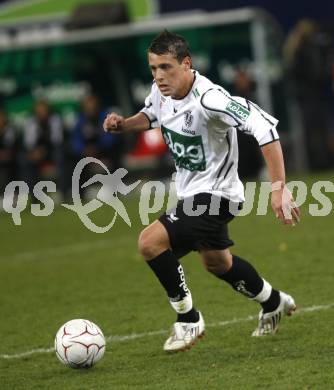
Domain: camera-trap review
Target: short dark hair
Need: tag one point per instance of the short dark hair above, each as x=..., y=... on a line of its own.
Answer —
x=168, y=42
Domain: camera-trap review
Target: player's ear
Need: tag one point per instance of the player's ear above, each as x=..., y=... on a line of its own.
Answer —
x=187, y=63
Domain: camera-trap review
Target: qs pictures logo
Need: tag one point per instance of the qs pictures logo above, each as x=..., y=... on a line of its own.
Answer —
x=112, y=184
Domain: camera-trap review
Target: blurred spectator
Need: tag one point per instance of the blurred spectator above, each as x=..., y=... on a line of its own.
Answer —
x=89, y=139
x=307, y=53
x=250, y=159
x=8, y=149
x=150, y=157
x=330, y=89
x=244, y=85
x=43, y=153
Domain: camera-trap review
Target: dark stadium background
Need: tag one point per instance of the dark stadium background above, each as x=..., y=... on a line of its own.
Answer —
x=286, y=12
x=54, y=269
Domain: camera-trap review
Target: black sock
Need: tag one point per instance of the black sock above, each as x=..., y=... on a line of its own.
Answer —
x=170, y=273
x=191, y=316
x=272, y=302
x=243, y=277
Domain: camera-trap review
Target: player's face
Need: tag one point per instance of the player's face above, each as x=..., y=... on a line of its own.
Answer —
x=172, y=77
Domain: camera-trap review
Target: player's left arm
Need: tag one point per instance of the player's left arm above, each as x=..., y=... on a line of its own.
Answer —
x=263, y=127
x=282, y=201
x=249, y=118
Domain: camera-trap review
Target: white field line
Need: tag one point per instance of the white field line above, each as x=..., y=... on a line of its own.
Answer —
x=68, y=249
x=135, y=336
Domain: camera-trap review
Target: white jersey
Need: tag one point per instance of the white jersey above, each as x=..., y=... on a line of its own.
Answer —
x=200, y=131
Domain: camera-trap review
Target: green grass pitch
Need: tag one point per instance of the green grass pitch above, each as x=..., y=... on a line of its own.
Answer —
x=53, y=269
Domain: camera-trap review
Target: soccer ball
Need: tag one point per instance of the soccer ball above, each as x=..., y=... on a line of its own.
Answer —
x=79, y=344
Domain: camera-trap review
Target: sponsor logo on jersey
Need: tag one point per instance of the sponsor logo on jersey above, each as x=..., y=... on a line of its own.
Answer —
x=238, y=110
x=187, y=151
x=188, y=131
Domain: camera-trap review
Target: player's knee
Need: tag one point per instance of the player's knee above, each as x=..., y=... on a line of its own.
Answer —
x=146, y=245
x=218, y=264
x=215, y=268
x=209, y=267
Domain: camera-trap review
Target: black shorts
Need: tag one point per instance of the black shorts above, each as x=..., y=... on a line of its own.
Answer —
x=194, y=233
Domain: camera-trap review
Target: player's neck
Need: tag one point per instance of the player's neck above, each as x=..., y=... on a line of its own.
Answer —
x=187, y=87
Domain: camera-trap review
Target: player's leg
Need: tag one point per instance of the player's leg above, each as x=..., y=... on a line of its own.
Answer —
x=244, y=278
x=153, y=240
x=154, y=245
x=241, y=275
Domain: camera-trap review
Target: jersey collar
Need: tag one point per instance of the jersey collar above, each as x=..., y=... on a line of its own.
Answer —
x=191, y=88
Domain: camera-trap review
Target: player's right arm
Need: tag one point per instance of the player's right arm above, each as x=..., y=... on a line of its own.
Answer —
x=144, y=120
x=115, y=123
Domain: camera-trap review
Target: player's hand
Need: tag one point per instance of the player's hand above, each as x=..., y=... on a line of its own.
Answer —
x=284, y=206
x=113, y=123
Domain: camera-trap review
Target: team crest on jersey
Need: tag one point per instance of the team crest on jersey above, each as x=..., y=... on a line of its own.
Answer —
x=188, y=118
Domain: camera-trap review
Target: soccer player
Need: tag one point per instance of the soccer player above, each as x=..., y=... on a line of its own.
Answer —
x=199, y=121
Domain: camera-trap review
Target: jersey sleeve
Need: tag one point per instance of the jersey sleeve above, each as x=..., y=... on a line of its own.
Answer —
x=150, y=109
x=240, y=113
x=260, y=124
